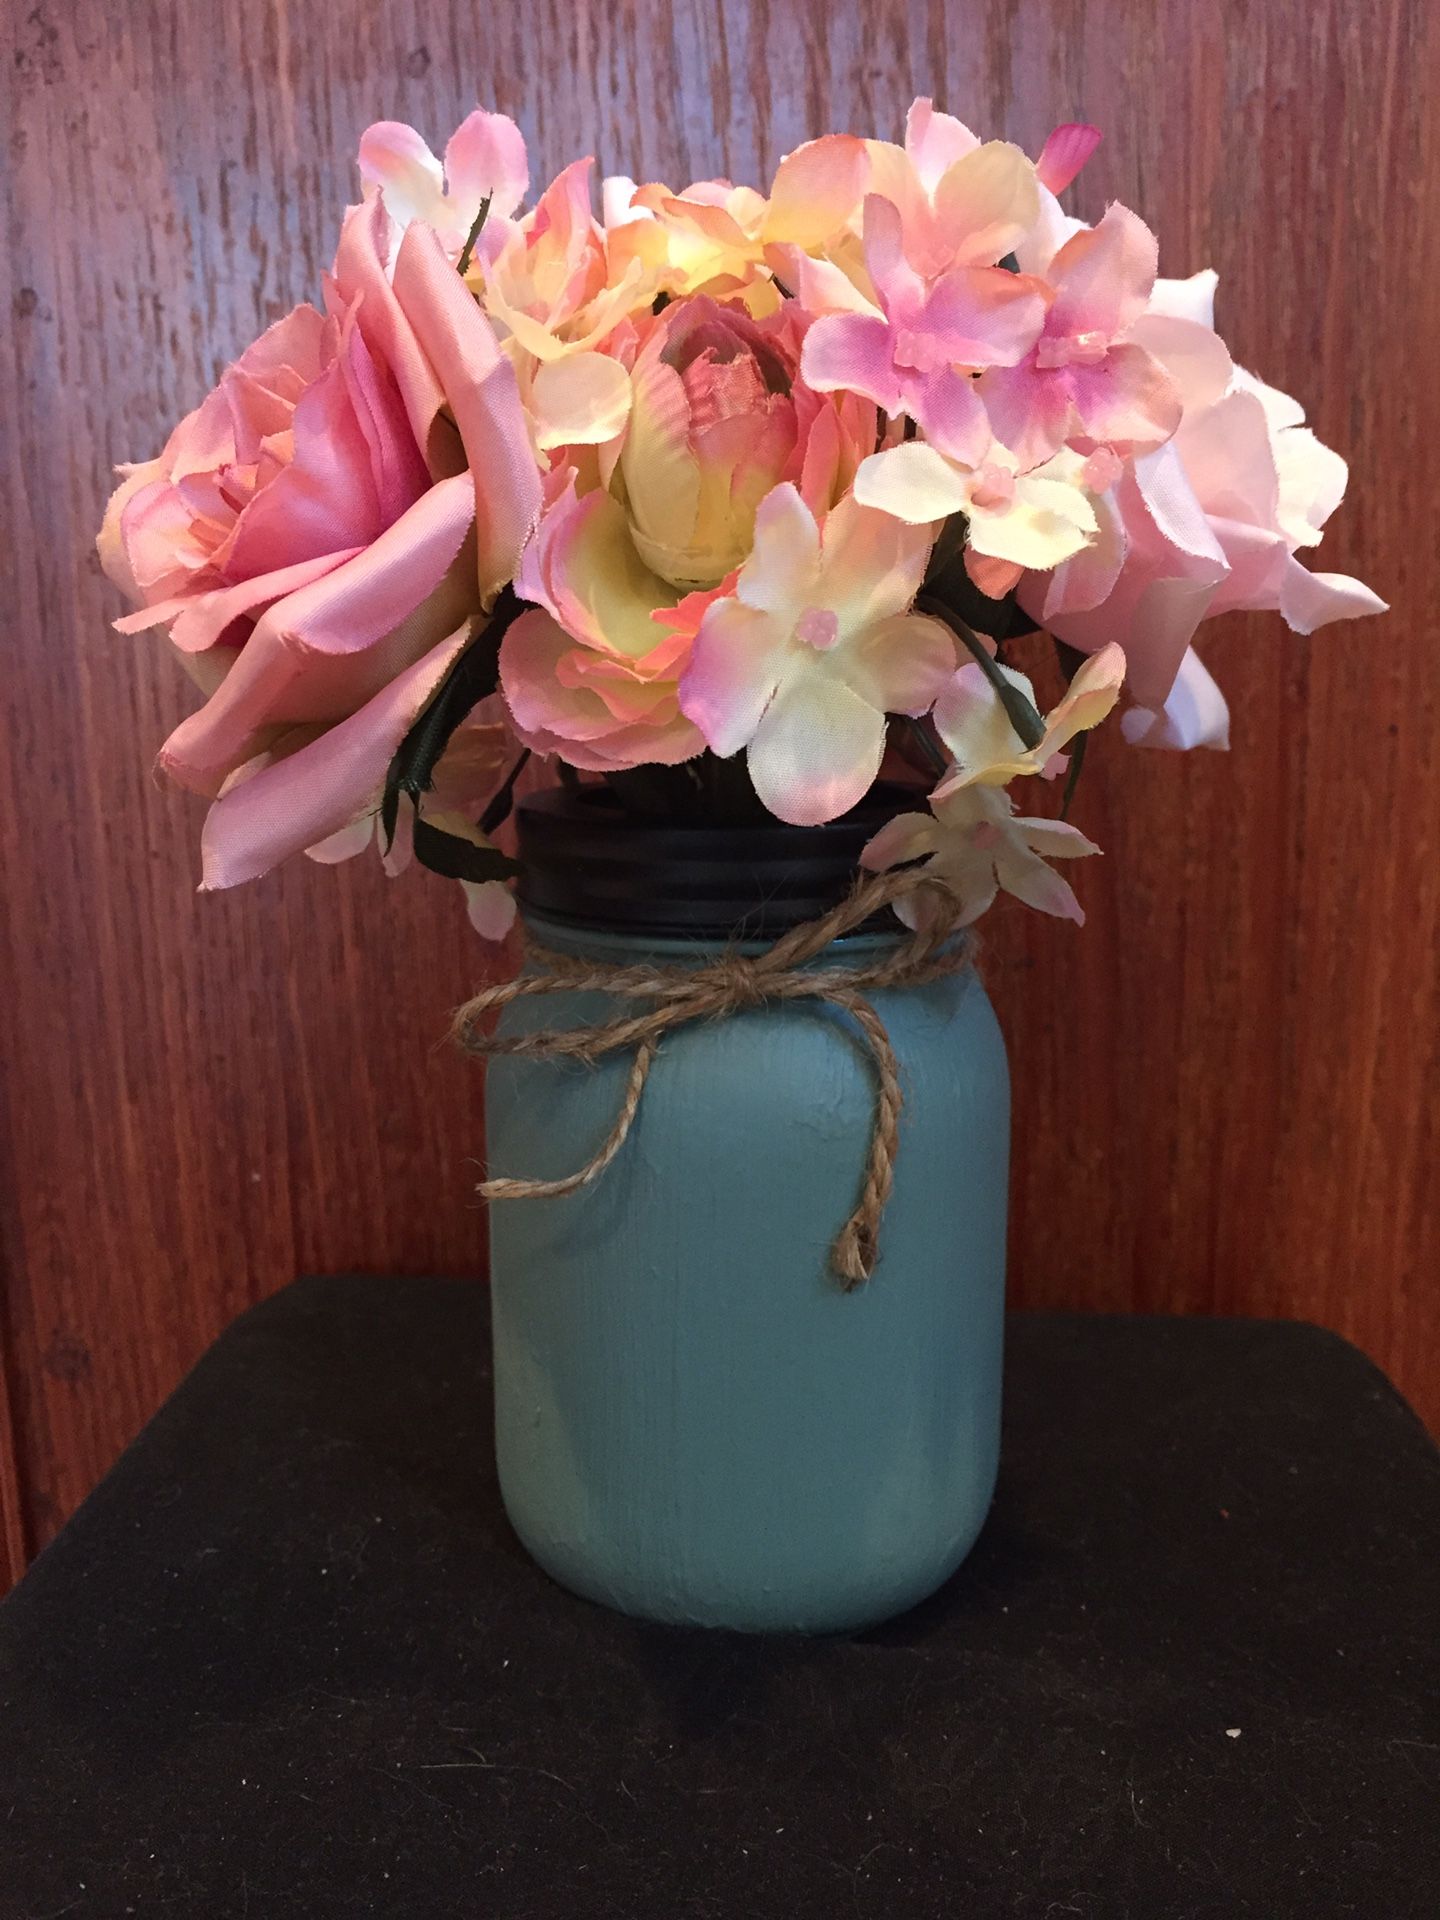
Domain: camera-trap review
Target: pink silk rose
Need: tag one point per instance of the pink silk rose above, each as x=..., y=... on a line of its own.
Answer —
x=316, y=537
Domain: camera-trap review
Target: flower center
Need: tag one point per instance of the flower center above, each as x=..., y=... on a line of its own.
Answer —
x=993, y=488
x=1101, y=470
x=1072, y=349
x=818, y=627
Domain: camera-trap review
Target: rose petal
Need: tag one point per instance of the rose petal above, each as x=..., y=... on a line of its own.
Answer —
x=1192, y=299
x=298, y=801
x=397, y=160
x=582, y=400
x=200, y=620
x=480, y=386
x=316, y=654
x=1311, y=600
x=1194, y=714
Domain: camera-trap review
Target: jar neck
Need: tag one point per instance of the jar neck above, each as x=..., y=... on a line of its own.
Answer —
x=628, y=946
x=585, y=864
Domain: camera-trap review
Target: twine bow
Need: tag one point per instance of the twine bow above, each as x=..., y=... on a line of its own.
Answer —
x=673, y=996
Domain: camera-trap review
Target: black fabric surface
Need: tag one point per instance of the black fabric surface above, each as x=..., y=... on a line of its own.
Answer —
x=289, y=1660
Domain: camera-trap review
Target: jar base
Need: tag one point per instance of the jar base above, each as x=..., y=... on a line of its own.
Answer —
x=849, y=1608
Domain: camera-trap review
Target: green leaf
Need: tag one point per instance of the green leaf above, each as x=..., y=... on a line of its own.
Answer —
x=1072, y=778
x=1022, y=714
x=457, y=859
x=498, y=811
x=473, y=675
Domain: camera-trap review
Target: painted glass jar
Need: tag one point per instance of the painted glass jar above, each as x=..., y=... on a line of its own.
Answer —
x=695, y=1421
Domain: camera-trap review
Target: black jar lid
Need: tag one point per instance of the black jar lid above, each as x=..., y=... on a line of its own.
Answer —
x=586, y=861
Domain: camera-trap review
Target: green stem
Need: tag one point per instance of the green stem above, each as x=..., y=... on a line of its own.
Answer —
x=928, y=746
x=1021, y=712
x=462, y=265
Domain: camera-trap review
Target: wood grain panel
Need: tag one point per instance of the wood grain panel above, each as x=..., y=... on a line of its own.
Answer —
x=14, y=1547
x=1224, y=1084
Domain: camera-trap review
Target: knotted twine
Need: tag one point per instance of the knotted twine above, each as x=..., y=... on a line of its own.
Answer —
x=670, y=996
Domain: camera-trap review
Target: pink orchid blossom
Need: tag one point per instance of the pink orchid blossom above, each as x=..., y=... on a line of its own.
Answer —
x=801, y=664
x=589, y=673
x=961, y=202
x=1209, y=523
x=314, y=545
x=1085, y=378
x=1034, y=519
x=971, y=720
x=910, y=353
x=975, y=845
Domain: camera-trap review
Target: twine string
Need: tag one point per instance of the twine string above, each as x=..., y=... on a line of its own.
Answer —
x=669, y=996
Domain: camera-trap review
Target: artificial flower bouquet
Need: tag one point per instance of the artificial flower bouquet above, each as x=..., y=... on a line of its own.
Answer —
x=730, y=505
x=710, y=474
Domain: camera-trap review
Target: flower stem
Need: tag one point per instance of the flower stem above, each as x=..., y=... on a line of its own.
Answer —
x=929, y=748
x=1021, y=713
x=462, y=265
x=1072, y=778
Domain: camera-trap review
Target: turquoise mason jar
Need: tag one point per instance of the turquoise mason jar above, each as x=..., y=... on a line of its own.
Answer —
x=695, y=1422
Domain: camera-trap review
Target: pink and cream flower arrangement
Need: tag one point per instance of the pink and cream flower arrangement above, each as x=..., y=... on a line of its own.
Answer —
x=705, y=474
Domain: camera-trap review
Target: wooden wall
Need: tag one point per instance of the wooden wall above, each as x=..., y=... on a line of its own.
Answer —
x=1225, y=1083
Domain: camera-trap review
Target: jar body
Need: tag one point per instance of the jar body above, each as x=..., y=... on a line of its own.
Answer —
x=694, y=1421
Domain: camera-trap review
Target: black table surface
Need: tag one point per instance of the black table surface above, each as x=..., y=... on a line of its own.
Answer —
x=289, y=1660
